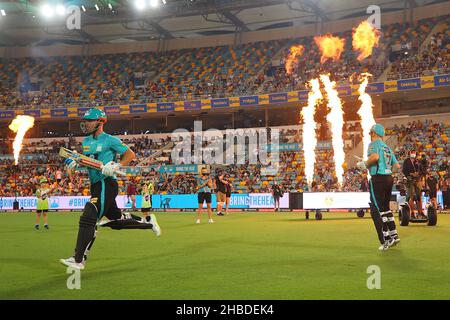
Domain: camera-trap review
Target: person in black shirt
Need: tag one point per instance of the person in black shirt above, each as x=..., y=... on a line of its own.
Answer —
x=221, y=192
x=277, y=193
x=423, y=169
x=432, y=187
x=228, y=193
x=411, y=170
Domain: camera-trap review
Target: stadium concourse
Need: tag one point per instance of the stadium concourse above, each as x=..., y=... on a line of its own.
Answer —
x=41, y=159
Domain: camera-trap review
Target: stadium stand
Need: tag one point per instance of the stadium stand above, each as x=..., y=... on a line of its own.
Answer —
x=221, y=71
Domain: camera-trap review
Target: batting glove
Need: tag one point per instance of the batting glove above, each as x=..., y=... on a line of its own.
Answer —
x=361, y=165
x=110, y=168
x=71, y=164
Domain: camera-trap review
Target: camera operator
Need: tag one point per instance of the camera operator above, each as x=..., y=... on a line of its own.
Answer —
x=277, y=193
x=412, y=171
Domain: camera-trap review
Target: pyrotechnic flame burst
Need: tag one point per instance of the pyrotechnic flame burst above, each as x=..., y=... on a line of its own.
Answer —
x=330, y=46
x=365, y=112
x=21, y=124
x=336, y=118
x=365, y=38
x=309, y=129
x=295, y=52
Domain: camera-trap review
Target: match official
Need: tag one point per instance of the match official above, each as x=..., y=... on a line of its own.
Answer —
x=381, y=163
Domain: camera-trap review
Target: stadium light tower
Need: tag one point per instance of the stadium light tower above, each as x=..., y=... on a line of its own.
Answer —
x=3, y=12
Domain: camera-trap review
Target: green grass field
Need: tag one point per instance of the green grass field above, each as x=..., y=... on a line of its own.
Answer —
x=241, y=256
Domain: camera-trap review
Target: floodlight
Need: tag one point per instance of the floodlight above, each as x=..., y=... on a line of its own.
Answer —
x=47, y=11
x=140, y=4
x=60, y=10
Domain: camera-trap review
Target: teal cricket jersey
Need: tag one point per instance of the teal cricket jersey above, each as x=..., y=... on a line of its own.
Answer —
x=386, y=160
x=105, y=147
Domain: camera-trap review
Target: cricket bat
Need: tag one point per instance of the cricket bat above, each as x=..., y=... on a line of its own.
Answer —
x=84, y=160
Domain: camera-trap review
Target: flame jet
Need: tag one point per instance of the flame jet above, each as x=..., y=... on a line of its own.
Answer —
x=336, y=119
x=295, y=52
x=365, y=112
x=365, y=38
x=20, y=125
x=331, y=47
x=309, y=129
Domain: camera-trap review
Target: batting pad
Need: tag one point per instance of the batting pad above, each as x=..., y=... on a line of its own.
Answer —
x=127, y=224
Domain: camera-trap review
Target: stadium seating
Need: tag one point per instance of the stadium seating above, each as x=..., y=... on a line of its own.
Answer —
x=433, y=60
x=188, y=74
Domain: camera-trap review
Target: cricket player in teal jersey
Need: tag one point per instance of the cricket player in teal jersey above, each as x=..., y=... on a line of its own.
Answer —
x=104, y=187
x=381, y=163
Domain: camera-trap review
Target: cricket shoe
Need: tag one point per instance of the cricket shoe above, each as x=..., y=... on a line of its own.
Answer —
x=210, y=221
x=394, y=242
x=155, y=226
x=385, y=246
x=103, y=222
x=70, y=262
x=36, y=227
x=46, y=226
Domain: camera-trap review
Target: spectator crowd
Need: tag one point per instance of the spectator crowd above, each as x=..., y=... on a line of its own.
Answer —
x=426, y=137
x=212, y=72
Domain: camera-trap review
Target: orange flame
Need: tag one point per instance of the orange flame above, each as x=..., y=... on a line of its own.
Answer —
x=295, y=51
x=309, y=129
x=21, y=124
x=336, y=119
x=365, y=112
x=365, y=38
x=331, y=47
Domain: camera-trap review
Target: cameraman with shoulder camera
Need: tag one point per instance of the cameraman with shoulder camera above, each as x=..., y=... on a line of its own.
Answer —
x=412, y=171
x=277, y=193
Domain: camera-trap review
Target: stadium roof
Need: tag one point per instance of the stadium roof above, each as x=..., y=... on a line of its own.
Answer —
x=23, y=23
